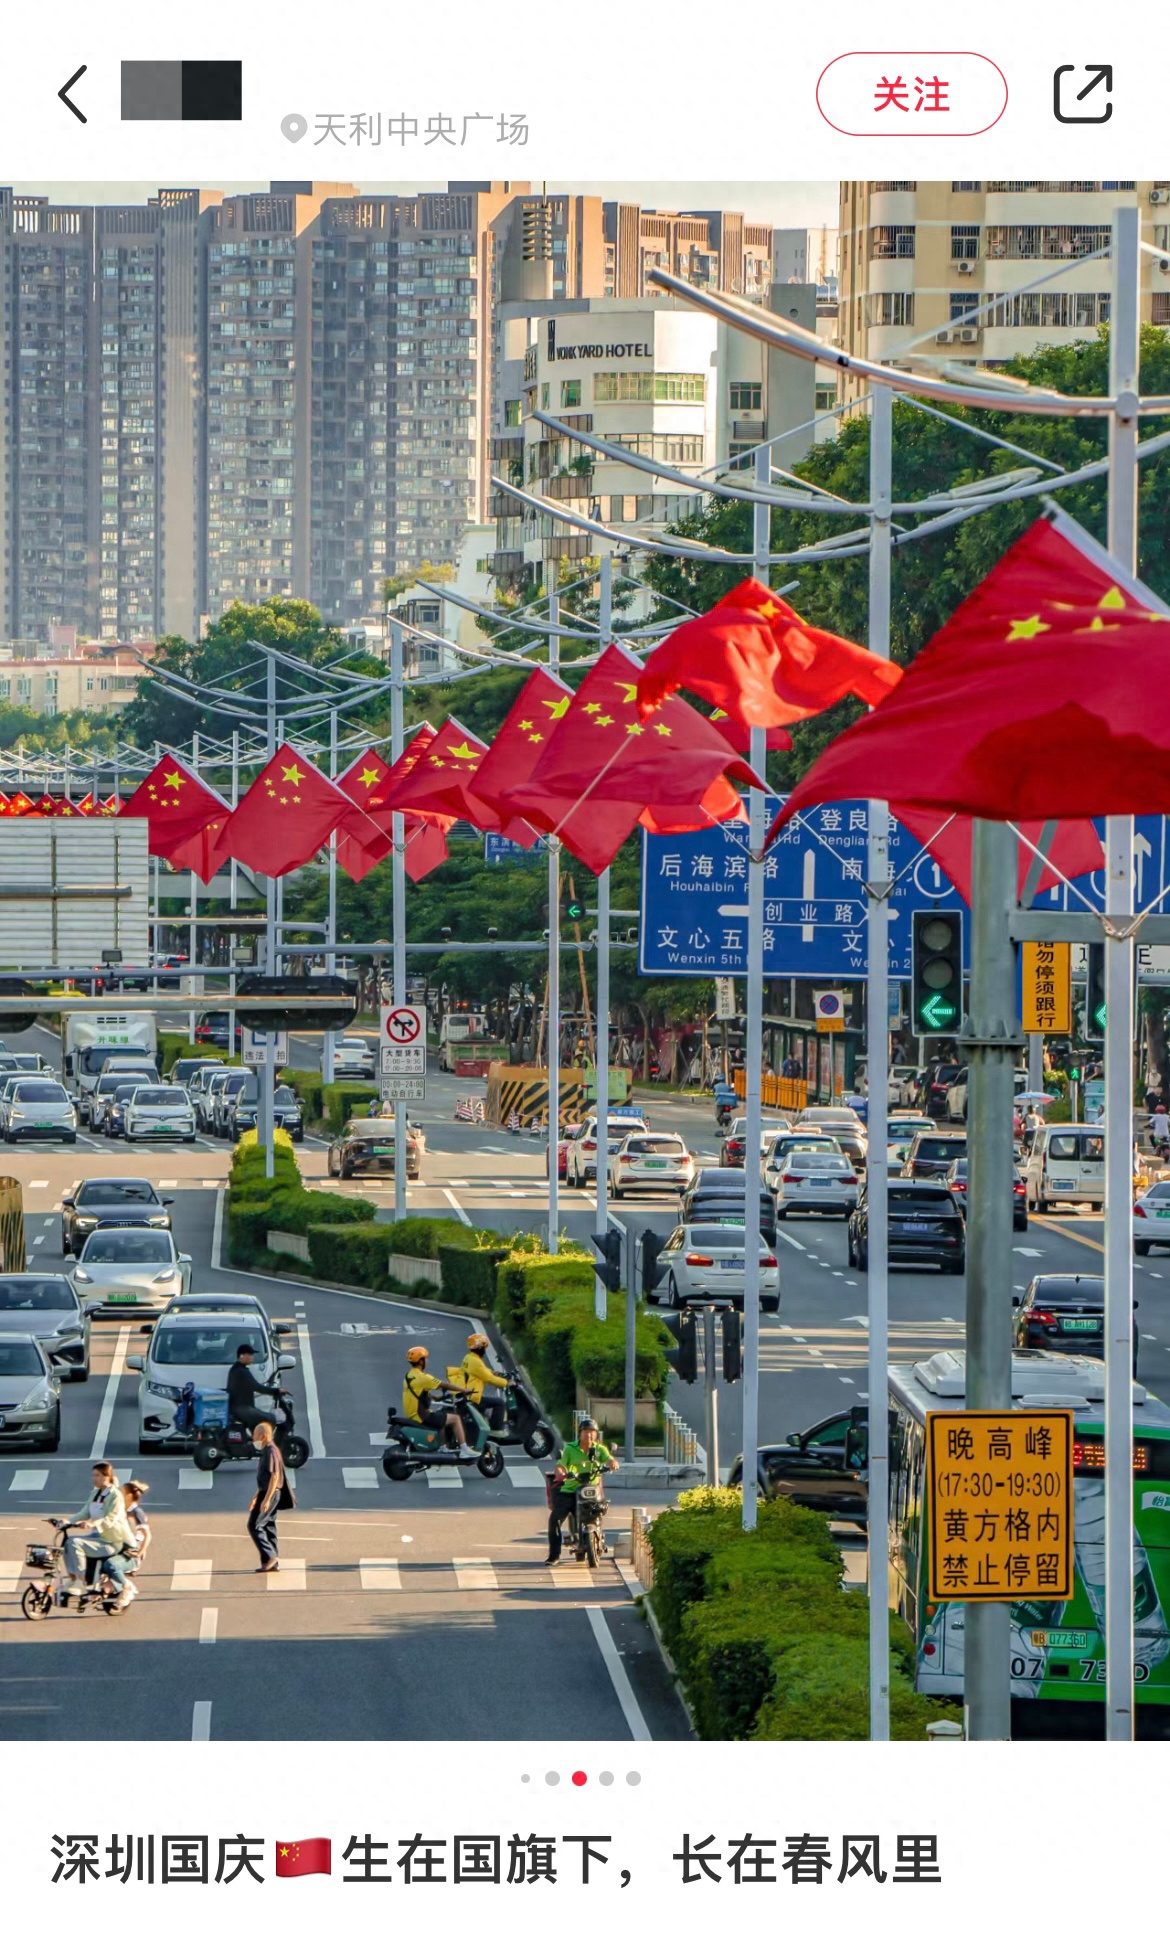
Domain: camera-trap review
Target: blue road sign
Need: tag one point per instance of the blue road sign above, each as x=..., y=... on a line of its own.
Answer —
x=1151, y=872
x=694, y=898
x=498, y=848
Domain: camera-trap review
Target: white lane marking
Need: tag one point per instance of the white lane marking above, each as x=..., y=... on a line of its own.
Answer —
x=847, y=1378
x=39, y=1240
x=312, y=1403
x=444, y=1478
x=524, y=1478
x=208, y=1625
x=459, y=1182
x=201, y=1721
x=376, y=1440
x=623, y=1689
x=449, y=1196
x=166, y=1185
x=217, y=1231
x=791, y=1242
x=38, y=1182
x=474, y=1573
x=290, y=1575
x=1029, y=1252
x=195, y=1478
x=380, y=1573
x=211, y=1185
x=191, y=1573
x=117, y=1370
x=360, y=1478
x=9, y=1577
x=26, y=1481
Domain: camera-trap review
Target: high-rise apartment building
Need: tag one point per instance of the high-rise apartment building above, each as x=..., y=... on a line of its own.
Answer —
x=938, y=269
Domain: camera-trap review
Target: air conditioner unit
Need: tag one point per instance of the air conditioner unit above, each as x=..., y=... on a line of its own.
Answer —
x=944, y=337
x=965, y=269
x=1160, y=195
x=967, y=336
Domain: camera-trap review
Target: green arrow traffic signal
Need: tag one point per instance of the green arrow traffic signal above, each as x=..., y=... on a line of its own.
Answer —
x=938, y=1012
x=574, y=911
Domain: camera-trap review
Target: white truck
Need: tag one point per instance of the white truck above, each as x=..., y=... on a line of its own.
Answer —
x=463, y=1034
x=89, y=1040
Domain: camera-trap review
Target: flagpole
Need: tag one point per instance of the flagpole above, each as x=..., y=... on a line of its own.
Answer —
x=329, y=1043
x=601, y=1060
x=192, y=931
x=265, y=1113
x=1124, y=346
x=754, y=1053
x=553, y=1002
x=398, y=890
x=233, y=893
x=877, y=1028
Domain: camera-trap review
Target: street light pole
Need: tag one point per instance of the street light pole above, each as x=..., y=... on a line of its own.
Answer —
x=192, y=928
x=553, y=1017
x=398, y=890
x=329, y=1042
x=266, y=1115
x=601, y=1059
x=754, y=1053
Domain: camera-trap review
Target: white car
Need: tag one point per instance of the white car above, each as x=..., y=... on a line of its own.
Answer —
x=786, y=1143
x=354, y=1058
x=706, y=1262
x=581, y=1161
x=124, y=1269
x=956, y=1106
x=1151, y=1217
x=816, y=1182
x=39, y=1108
x=159, y=1111
x=200, y=1348
x=650, y=1162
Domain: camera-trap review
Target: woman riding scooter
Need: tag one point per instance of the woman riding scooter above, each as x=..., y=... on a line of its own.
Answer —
x=477, y=1376
x=417, y=1389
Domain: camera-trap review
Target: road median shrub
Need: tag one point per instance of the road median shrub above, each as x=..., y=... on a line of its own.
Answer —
x=544, y=1303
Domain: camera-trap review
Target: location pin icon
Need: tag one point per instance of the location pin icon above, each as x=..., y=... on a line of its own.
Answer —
x=293, y=127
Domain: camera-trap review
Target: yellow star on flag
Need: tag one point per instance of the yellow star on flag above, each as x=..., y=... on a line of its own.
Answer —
x=593, y=707
x=284, y=1852
x=465, y=753
x=369, y=776
x=768, y=611
x=558, y=708
x=293, y=774
x=536, y=737
x=604, y=720
x=1113, y=599
x=525, y=727
x=661, y=728
x=635, y=727
x=1027, y=629
x=629, y=690
x=174, y=780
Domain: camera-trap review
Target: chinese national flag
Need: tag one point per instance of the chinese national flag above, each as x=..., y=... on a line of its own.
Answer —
x=1045, y=697
x=111, y=806
x=19, y=804
x=288, y=813
x=186, y=818
x=757, y=659
x=295, y=1857
x=442, y=779
x=520, y=741
x=367, y=782
x=44, y=805
x=87, y=805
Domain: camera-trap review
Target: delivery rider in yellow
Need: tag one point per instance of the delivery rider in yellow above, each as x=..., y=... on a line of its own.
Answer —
x=478, y=1375
x=418, y=1405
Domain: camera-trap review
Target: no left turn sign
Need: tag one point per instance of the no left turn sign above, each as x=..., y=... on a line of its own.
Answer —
x=402, y=1024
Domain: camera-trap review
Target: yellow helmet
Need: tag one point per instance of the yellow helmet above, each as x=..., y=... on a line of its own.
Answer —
x=416, y=1354
x=477, y=1342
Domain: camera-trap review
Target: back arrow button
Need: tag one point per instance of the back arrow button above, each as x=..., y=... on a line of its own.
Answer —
x=63, y=94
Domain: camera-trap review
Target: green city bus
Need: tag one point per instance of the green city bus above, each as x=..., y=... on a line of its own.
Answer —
x=1057, y=1648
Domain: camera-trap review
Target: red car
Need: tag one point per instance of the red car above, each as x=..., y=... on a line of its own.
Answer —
x=568, y=1133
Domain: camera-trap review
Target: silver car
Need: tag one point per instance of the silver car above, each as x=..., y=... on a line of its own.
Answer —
x=46, y=1306
x=816, y=1182
x=30, y=1394
x=159, y=1111
x=706, y=1262
x=39, y=1108
x=777, y=1155
x=130, y=1268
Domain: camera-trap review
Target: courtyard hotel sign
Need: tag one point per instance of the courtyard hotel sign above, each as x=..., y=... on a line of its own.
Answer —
x=580, y=352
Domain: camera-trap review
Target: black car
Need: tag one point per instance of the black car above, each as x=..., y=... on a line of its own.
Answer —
x=719, y=1194
x=925, y=1228
x=933, y=1153
x=826, y=1467
x=940, y=1076
x=109, y=1202
x=214, y=1027
x=242, y=1110
x=110, y=1120
x=1065, y=1313
x=955, y=1181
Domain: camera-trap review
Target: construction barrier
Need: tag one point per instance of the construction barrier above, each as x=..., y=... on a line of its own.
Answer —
x=12, y=1255
x=783, y=1094
x=470, y=1110
x=517, y=1091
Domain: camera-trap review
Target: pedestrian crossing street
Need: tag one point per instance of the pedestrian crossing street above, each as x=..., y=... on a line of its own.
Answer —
x=844, y=1346
x=204, y=1575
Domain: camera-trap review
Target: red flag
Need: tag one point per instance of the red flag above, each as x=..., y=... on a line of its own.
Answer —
x=367, y=781
x=44, y=805
x=19, y=804
x=5, y=808
x=776, y=739
x=442, y=779
x=87, y=805
x=288, y=813
x=1074, y=850
x=111, y=806
x=520, y=741
x=755, y=657
x=296, y=1857
x=1045, y=696
x=186, y=817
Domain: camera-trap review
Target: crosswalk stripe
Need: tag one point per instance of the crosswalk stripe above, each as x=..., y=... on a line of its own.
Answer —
x=380, y=1573
x=474, y=1573
x=166, y=1185
x=191, y=1573
x=9, y=1577
x=26, y=1481
x=38, y=1182
x=444, y=1478
x=524, y=1478
x=290, y=1575
x=360, y=1478
x=195, y=1478
x=208, y=1626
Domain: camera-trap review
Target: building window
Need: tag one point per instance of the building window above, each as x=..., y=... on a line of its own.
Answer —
x=544, y=397
x=826, y=395
x=1055, y=188
x=1160, y=307
x=890, y=188
x=649, y=387
x=1047, y=310
x=963, y=307
x=891, y=239
x=746, y=397
x=512, y=411
x=1021, y=242
x=966, y=188
x=889, y=307
x=964, y=242
x=570, y=393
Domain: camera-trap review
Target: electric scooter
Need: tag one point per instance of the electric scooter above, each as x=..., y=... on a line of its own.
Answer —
x=515, y=1420
x=231, y=1441
x=411, y=1446
x=48, y=1559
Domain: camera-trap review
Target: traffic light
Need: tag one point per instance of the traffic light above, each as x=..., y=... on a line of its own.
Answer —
x=651, y=1247
x=731, y=1328
x=301, y=1014
x=574, y=910
x=610, y=1246
x=936, y=989
x=1095, y=996
x=17, y=1020
x=684, y=1358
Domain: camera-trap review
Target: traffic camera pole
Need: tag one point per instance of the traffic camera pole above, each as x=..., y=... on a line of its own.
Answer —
x=877, y=1026
x=1124, y=342
x=711, y=1396
x=601, y=1058
x=553, y=1030
x=754, y=1050
x=398, y=888
x=991, y=1040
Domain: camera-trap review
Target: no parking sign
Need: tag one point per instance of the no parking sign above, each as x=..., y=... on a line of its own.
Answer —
x=829, y=1010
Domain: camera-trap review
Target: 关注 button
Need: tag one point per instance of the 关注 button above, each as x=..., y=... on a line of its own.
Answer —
x=902, y=94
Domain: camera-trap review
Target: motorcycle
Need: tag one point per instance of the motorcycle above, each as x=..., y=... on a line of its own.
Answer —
x=49, y=1593
x=592, y=1507
x=522, y=1425
x=222, y=1440
x=412, y=1446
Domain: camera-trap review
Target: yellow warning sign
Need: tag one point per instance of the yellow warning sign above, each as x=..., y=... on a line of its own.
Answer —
x=1046, y=986
x=1000, y=1505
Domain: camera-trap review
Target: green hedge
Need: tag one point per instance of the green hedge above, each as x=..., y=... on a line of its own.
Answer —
x=469, y=1274
x=256, y=1204
x=329, y=1105
x=176, y=1044
x=358, y=1256
x=545, y=1304
x=767, y=1642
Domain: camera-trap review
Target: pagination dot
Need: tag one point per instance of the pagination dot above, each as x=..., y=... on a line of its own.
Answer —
x=633, y=1778
x=552, y=1778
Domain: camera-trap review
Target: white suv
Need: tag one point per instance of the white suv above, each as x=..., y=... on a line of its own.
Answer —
x=581, y=1162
